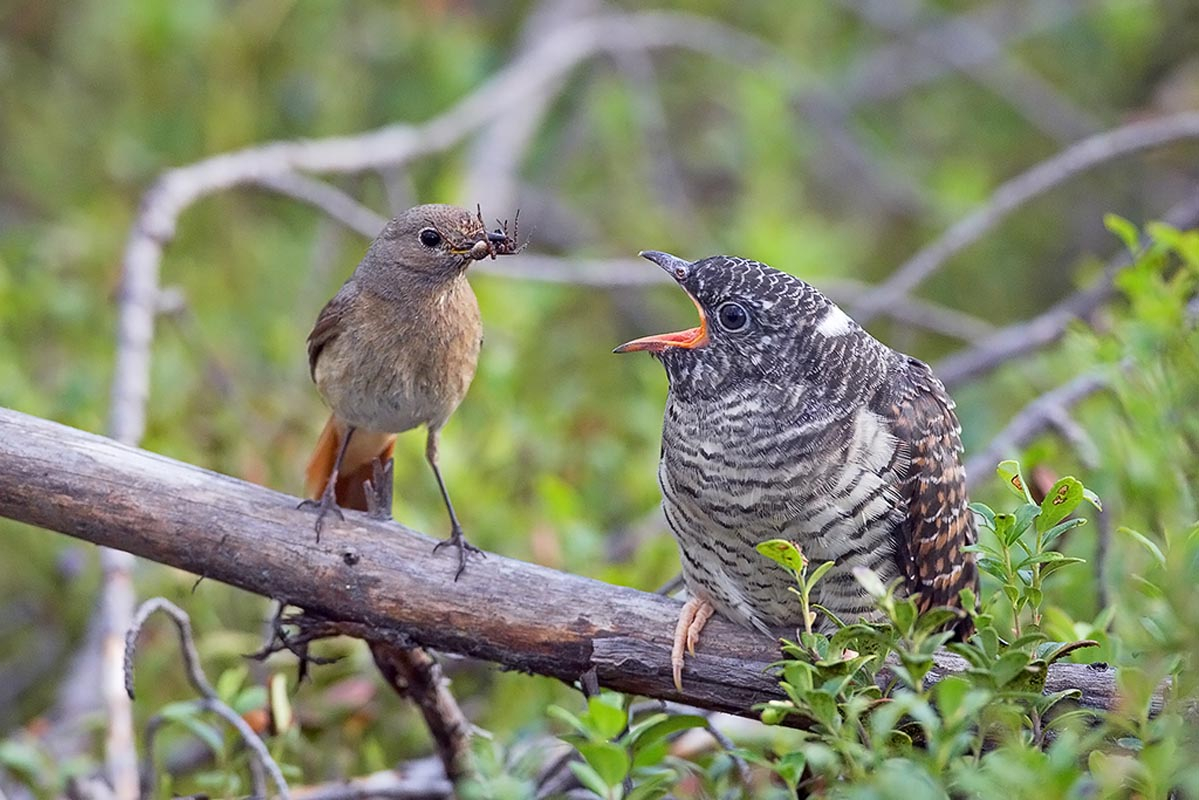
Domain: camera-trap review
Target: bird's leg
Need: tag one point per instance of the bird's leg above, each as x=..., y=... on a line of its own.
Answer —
x=378, y=490
x=456, y=538
x=328, y=501
x=695, y=614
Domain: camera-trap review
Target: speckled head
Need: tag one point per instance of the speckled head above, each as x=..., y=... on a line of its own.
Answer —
x=755, y=322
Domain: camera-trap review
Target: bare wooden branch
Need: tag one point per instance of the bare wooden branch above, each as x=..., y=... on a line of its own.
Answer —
x=1050, y=326
x=413, y=672
x=384, y=577
x=416, y=780
x=1039, y=416
x=209, y=699
x=1079, y=157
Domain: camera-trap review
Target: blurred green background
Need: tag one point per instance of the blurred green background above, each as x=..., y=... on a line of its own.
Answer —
x=867, y=128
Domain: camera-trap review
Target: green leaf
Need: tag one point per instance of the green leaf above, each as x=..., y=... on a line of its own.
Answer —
x=186, y=714
x=1055, y=565
x=819, y=572
x=984, y=511
x=230, y=680
x=250, y=698
x=1009, y=473
x=1060, y=501
x=823, y=707
x=1049, y=536
x=1008, y=666
x=870, y=581
x=653, y=786
x=22, y=757
x=791, y=768
x=608, y=720
x=665, y=727
x=1145, y=542
x=562, y=715
x=949, y=694
x=590, y=778
x=1025, y=515
x=784, y=553
x=1092, y=498
x=610, y=761
x=1125, y=231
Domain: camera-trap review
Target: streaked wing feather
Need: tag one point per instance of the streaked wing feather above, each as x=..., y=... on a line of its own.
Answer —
x=939, y=521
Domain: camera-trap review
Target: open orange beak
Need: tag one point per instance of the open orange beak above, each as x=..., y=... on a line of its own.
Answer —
x=688, y=339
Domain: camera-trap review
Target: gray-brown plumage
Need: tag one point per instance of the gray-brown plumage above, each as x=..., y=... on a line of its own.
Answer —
x=785, y=419
x=396, y=348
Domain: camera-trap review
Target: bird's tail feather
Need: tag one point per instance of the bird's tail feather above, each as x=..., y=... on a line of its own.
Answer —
x=356, y=467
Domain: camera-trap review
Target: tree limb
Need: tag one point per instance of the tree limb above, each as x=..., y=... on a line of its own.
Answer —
x=1014, y=193
x=384, y=579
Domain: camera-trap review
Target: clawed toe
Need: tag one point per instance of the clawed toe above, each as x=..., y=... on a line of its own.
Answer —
x=695, y=614
x=458, y=539
x=326, y=504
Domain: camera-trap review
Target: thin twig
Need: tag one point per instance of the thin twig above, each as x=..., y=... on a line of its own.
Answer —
x=889, y=72
x=1034, y=419
x=1048, y=327
x=1026, y=92
x=1013, y=194
x=412, y=672
x=415, y=780
x=210, y=701
x=327, y=198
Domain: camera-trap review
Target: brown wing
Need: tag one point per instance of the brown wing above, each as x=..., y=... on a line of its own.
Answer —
x=327, y=327
x=939, y=521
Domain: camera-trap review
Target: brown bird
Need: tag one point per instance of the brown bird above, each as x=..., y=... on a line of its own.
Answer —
x=785, y=419
x=396, y=348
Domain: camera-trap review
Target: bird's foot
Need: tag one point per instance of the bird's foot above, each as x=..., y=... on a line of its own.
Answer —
x=378, y=490
x=327, y=503
x=695, y=614
x=458, y=539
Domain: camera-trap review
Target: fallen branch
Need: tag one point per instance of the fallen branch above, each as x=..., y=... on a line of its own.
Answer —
x=383, y=581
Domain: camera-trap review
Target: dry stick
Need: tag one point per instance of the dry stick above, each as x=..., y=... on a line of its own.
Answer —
x=210, y=701
x=1039, y=416
x=412, y=672
x=1013, y=194
x=416, y=780
x=1027, y=93
x=889, y=72
x=395, y=589
x=1045, y=329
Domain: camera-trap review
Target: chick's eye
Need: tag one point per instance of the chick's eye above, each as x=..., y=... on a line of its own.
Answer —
x=430, y=237
x=732, y=317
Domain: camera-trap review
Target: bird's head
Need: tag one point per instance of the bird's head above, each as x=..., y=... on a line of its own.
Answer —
x=437, y=242
x=755, y=322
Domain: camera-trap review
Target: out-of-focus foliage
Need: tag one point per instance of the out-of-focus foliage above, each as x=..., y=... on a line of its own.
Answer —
x=836, y=165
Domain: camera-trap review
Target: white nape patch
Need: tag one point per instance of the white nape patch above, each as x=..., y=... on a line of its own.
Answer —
x=835, y=323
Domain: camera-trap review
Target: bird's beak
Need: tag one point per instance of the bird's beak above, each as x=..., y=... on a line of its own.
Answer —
x=689, y=339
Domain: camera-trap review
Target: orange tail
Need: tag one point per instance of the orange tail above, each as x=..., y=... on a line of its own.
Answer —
x=356, y=469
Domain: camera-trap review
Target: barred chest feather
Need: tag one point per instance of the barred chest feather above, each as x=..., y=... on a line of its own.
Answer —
x=735, y=471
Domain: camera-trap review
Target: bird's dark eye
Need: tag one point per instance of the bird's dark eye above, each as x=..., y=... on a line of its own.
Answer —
x=732, y=317
x=430, y=237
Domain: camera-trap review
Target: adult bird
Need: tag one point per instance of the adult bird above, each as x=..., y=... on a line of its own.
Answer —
x=785, y=419
x=395, y=349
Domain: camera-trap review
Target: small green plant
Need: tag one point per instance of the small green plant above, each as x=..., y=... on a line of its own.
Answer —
x=624, y=759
